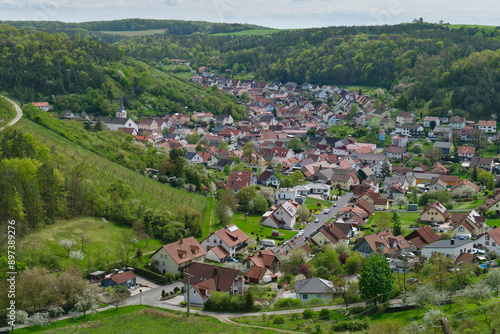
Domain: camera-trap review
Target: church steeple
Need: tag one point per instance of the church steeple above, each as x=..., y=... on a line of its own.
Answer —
x=121, y=113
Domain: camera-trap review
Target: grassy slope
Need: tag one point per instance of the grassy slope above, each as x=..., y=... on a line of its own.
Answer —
x=135, y=33
x=7, y=112
x=251, y=32
x=106, y=172
x=108, y=238
x=252, y=225
x=141, y=319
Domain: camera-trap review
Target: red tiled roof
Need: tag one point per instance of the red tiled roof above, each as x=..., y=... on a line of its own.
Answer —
x=185, y=250
x=123, y=277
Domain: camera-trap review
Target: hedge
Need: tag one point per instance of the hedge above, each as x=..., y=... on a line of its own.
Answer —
x=151, y=275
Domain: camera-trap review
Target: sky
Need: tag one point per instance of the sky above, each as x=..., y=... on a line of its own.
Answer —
x=268, y=13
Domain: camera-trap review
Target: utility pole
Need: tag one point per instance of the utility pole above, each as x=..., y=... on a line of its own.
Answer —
x=140, y=296
x=188, y=302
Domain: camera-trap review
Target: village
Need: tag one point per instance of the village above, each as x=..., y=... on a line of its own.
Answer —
x=366, y=179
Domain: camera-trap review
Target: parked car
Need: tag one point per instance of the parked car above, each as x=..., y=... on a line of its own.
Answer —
x=275, y=233
x=334, y=204
x=326, y=211
x=287, y=228
x=232, y=259
x=316, y=220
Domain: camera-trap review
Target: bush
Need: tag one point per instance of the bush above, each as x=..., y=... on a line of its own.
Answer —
x=170, y=277
x=324, y=314
x=343, y=326
x=184, y=304
x=177, y=289
x=316, y=301
x=307, y=314
x=295, y=316
x=287, y=302
x=163, y=293
x=279, y=320
x=280, y=285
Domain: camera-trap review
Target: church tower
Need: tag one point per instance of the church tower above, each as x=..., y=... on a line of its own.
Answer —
x=122, y=113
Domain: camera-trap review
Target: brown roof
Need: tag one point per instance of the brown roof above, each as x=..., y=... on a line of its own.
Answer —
x=425, y=234
x=466, y=150
x=219, y=251
x=146, y=121
x=239, y=180
x=265, y=258
x=385, y=239
x=365, y=205
x=123, y=277
x=210, y=277
x=231, y=235
x=417, y=242
x=494, y=234
x=185, y=250
x=256, y=272
x=457, y=216
x=438, y=207
x=465, y=258
x=465, y=183
x=449, y=178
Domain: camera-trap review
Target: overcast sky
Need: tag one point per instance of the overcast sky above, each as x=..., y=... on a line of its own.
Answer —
x=269, y=13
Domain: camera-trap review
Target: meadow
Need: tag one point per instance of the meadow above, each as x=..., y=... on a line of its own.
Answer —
x=135, y=32
x=251, y=32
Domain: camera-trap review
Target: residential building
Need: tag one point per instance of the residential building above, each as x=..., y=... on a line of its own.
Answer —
x=405, y=117
x=469, y=134
x=284, y=215
x=435, y=213
x=332, y=233
x=484, y=163
x=231, y=238
x=344, y=181
x=383, y=242
x=148, y=124
x=450, y=248
x=238, y=180
x=178, y=256
x=206, y=278
x=297, y=243
x=394, y=152
x=490, y=239
x=265, y=258
x=466, y=152
x=446, y=148
x=114, y=123
x=428, y=121
x=126, y=278
x=421, y=237
x=457, y=122
x=411, y=130
x=224, y=119
x=287, y=194
x=464, y=188
x=45, y=106
x=268, y=178
x=314, y=287
x=469, y=226
x=202, y=117
x=487, y=126
x=399, y=141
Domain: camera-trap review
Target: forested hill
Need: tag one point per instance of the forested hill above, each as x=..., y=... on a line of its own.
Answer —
x=83, y=74
x=171, y=27
x=423, y=61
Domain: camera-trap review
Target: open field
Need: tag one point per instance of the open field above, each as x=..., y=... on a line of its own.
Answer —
x=141, y=319
x=252, y=225
x=469, y=205
x=135, y=32
x=104, y=238
x=101, y=169
x=311, y=203
x=251, y=32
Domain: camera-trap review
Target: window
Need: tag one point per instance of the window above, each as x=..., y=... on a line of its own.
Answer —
x=163, y=263
x=304, y=296
x=461, y=229
x=487, y=243
x=494, y=244
x=487, y=237
x=161, y=255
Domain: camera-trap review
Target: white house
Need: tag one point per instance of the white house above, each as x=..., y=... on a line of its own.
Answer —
x=314, y=287
x=488, y=126
x=451, y=248
x=178, y=256
x=284, y=215
x=231, y=238
x=114, y=123
x=490, y=240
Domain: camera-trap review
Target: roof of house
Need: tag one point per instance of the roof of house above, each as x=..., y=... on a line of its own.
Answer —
x=231, y=235
x=442, y=144
x=265, y=175
x=385, y=239
x=466, y=150
x=264, y=258
x=313, y=285
x=239, y=180
x=494, y=234
x=146, y=121
x=425, y=234
x=365, y=205
x=487, y=123
x=256, y=272
x=465, y=182
x=206, y=276
x=438, y=207
x=417, y=242
x=448, y=244
x=219, y=251
x=184, y=250
x=465, y=258
x=122, y=277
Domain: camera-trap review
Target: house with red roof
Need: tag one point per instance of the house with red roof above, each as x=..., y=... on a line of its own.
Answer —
x=421, y=237
x=177, y=256
x=126, y=278
x=45, y=106
x=490, y=239
x=383, y=242
x=487, y=126
x=435, y=213
x=206, y=278
x=230, y=238
x=281, y=216
x=464, y=188
x=471, y=225
x=238, y=180
x=466, y=152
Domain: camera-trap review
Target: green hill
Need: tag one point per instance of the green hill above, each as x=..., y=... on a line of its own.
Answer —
x=144, y=189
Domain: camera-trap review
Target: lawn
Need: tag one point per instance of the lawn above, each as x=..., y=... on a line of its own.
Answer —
x=133, y=319
x=311, y=203
x=102, y=239
x=253, y=228
x=407, y=219
x=469, y=205
x=491, y=222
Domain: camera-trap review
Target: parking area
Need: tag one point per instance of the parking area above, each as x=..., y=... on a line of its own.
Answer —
x=143, y=285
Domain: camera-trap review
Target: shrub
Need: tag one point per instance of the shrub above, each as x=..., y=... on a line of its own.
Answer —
x=307, y=314
x=280, y=285
x=358, y=325
x=287, y=302
x=177, y=289
x=279, y=320
x=163, y=293
x=170, y=277
x=184, y=304
x=295, y=316
x=316, y=301
x=324, y=314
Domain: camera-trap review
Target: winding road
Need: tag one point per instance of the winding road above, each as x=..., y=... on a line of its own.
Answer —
x=18, y=116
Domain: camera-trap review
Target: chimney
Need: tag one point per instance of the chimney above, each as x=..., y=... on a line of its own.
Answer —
x=115, y=271
x=452, y=241
x=180, y=241
x=260, y=254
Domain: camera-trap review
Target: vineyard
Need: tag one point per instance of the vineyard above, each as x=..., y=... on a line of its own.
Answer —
x=101, y=169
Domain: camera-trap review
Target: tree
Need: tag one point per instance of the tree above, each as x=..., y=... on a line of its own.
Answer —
x=354, y=110
x=427, y=294
x=401, y=201
x=259, y=204
x=245, y=196
x=248, y=150
x=116, y=295
x=413, y=194
x=85, y=241
x=86, y=302
x=493, y=279
x=474, y=174
x=361, y=175
x=295, y=144
x=375, y=279
x=396, y=224
x=477, y=292
x=303, y=211
x=386, y=168
x=67, y=244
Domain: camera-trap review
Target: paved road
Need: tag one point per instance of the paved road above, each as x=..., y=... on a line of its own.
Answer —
x=18, y=116
x=322, y=218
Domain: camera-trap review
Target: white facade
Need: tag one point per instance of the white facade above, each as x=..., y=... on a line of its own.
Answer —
x=450, y=248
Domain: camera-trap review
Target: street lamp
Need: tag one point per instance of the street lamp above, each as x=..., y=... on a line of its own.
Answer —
x=188, y=286
x=140, y=296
